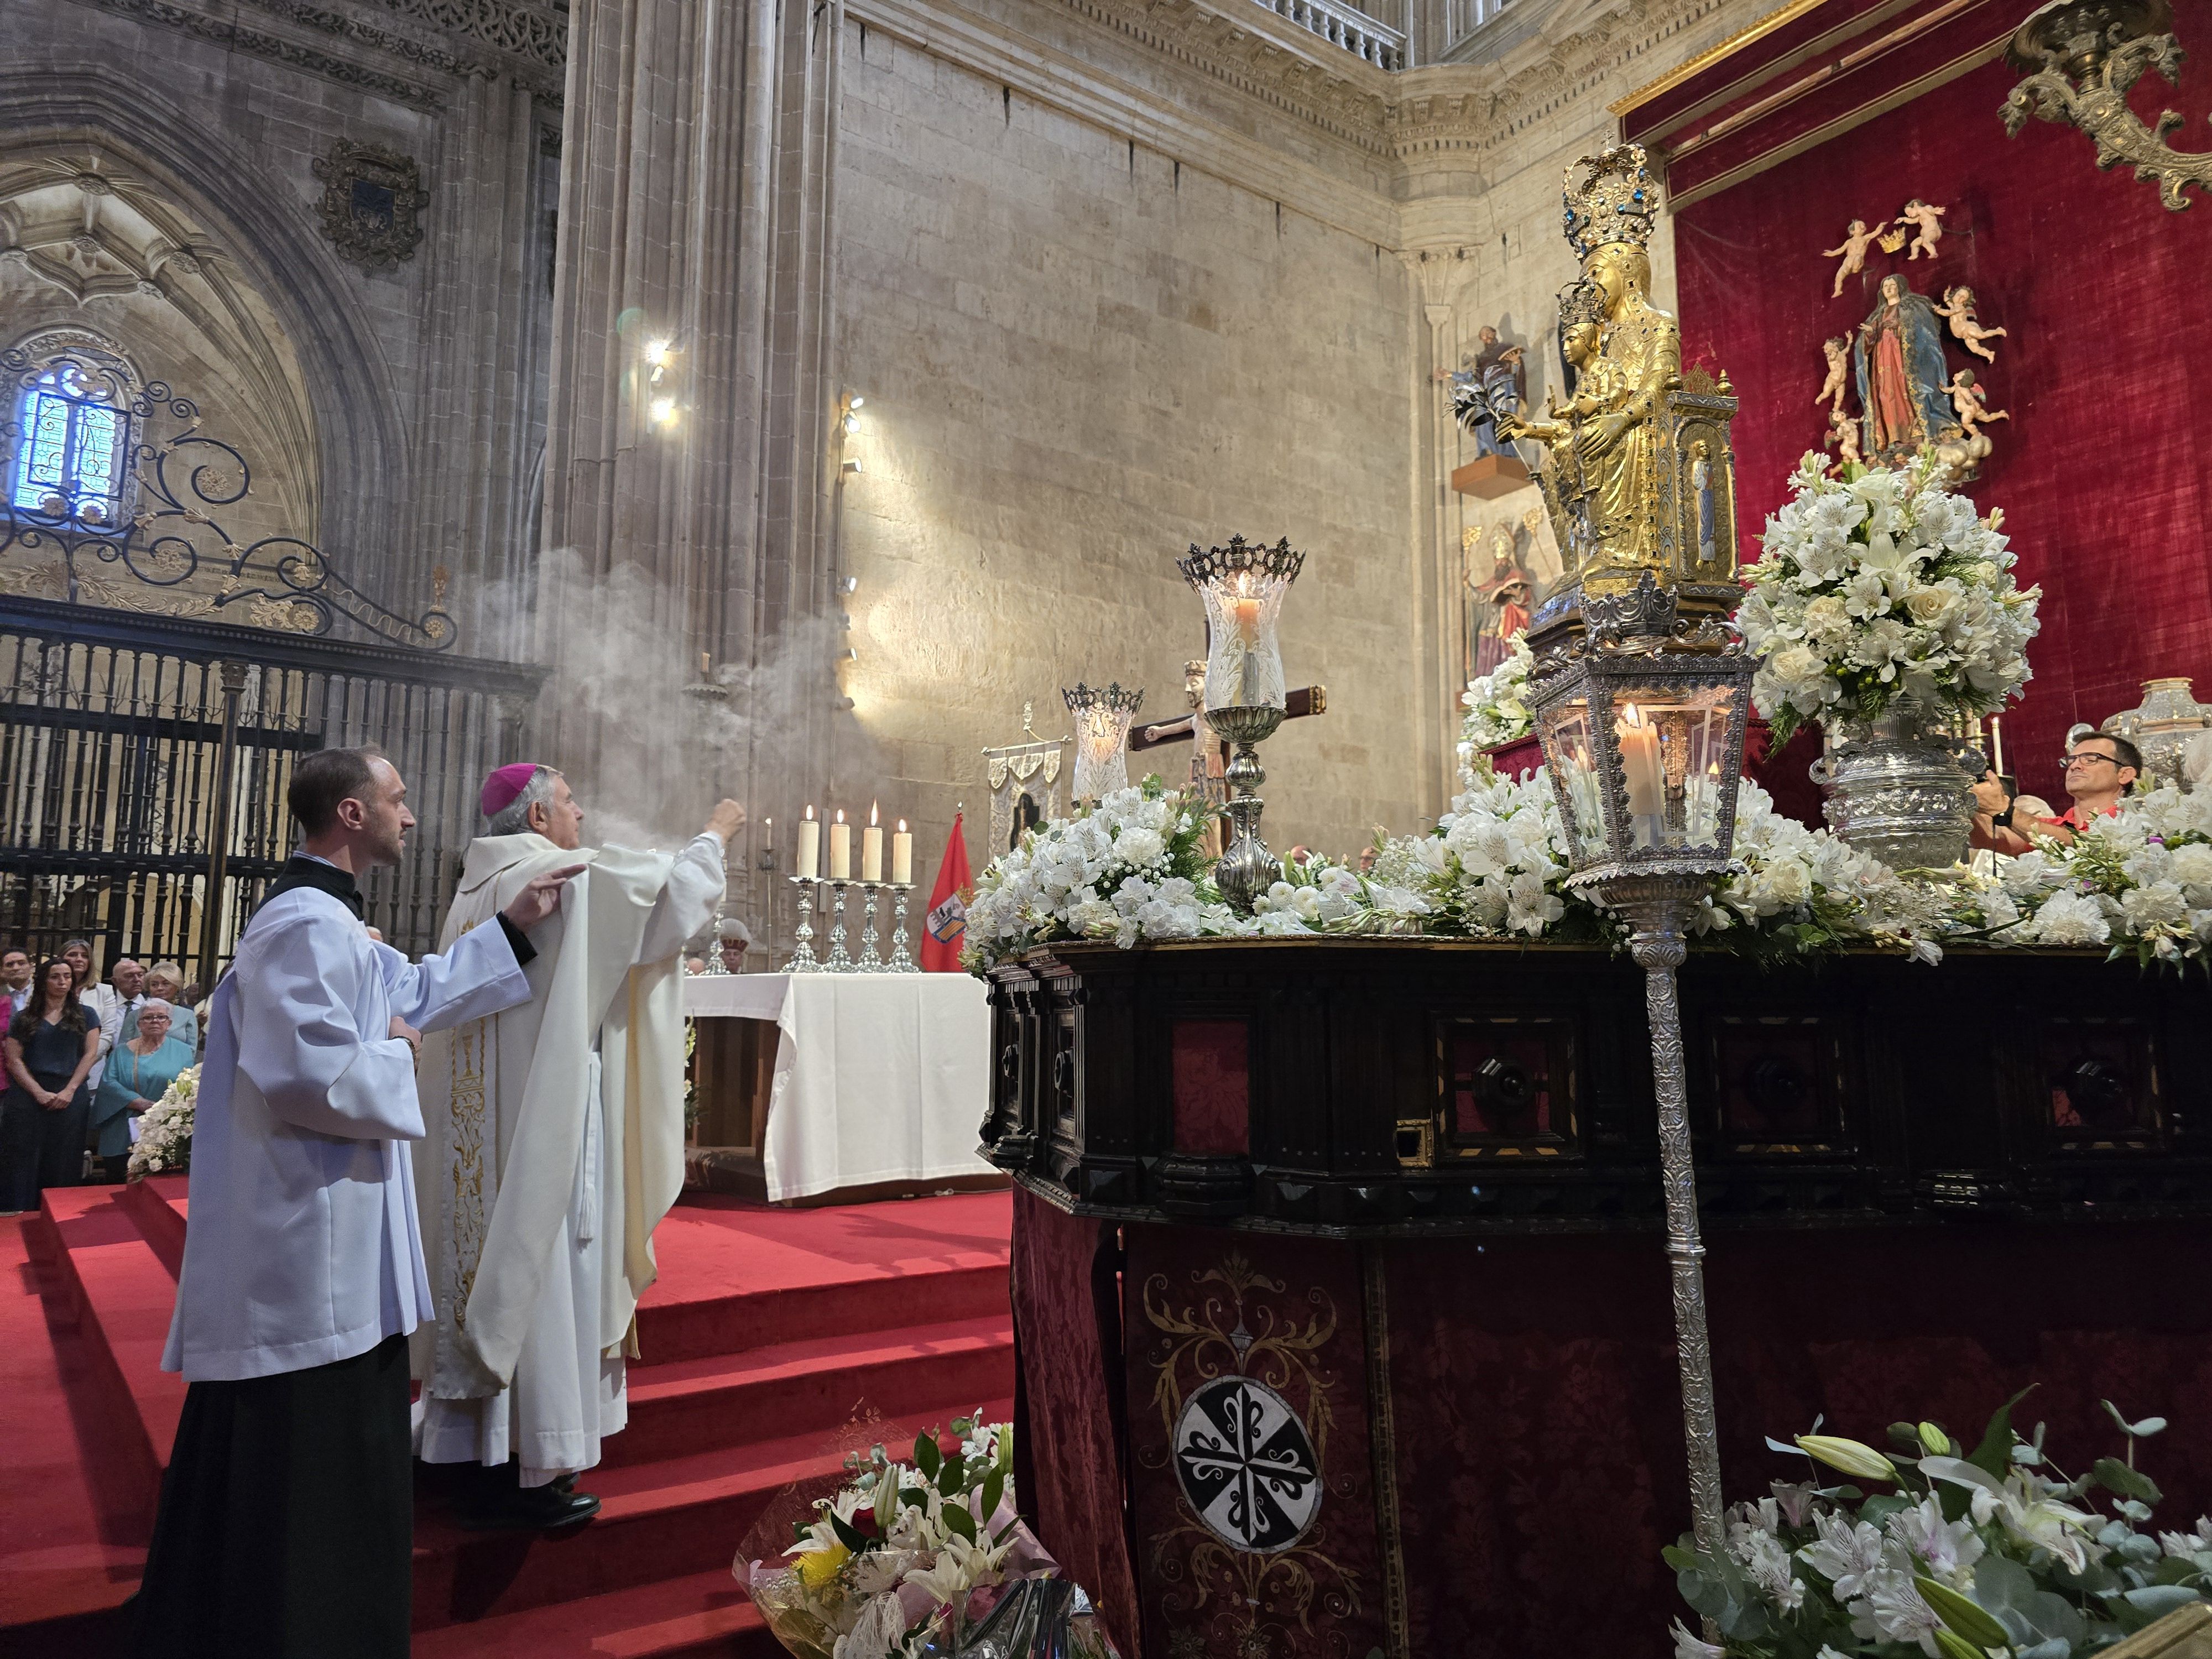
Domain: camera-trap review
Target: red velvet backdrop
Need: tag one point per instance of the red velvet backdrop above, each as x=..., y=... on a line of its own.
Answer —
x=2106, y=367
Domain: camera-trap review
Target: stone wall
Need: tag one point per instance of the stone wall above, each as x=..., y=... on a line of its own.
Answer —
x=1079, y=357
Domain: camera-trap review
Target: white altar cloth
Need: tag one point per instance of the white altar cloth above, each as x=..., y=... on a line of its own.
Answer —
x=878, y=1076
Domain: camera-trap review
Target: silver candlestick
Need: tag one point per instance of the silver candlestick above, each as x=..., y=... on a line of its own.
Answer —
x=714, y=962
x=1247, y=869
x=901, y=962
x=839, y=962
x=870, y=962
x=802, y=955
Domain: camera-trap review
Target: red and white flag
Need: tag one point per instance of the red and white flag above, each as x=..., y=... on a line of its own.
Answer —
x=945, y=925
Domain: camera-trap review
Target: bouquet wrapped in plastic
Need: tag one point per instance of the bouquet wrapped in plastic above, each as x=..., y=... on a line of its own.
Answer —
x=907, y=1559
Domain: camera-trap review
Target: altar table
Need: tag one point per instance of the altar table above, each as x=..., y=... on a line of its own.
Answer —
x=877, y=1077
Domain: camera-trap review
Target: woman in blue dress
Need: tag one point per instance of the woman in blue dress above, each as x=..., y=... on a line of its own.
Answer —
x=139, y=1071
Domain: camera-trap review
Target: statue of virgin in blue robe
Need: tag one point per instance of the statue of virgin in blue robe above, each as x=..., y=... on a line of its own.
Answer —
x=1899, y=356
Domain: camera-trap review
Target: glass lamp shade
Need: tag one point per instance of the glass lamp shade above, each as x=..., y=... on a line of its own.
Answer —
x=1644, y=752
x=1243, y=587
x=1102, y=735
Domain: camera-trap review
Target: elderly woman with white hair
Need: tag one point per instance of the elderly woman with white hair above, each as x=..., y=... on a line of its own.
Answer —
x=139, y=1071
x=165, y=981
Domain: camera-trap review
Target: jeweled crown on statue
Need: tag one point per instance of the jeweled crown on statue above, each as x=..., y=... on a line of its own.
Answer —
x=1641, y=473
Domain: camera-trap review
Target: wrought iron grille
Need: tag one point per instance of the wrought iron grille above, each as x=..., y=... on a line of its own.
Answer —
x=143, y=762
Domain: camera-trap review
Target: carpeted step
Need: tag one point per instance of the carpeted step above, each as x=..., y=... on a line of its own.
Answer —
x=122, y=1295
x=698, y=1405
x=702, y=1614
x=659, y=1521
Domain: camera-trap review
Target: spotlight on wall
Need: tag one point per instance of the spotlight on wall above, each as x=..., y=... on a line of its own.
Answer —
x=662, y=412
x=848, y=655
x=848, y=584
x=852, y=424
x=848, y=466
x=657, y=354
x=854, y=401
x=845, y=620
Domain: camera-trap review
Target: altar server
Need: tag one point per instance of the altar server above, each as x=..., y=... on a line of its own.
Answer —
x=555, y=1146
x=287, y=1515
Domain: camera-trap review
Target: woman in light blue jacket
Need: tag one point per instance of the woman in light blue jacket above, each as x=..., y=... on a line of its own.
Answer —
x=139, y=1071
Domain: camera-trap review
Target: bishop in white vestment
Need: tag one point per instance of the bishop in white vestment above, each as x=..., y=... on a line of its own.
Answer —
x=554, y=1145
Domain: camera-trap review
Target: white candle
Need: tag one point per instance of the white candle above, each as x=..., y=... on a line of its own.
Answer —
x=1997, y=745
x=810, y=845
x=872, y=848
x=902, y=855
x=841, y=848
x=1640, y=763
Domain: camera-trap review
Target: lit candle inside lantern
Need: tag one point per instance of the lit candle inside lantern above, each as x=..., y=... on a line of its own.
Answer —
x=1996, y=744
x=841, y=848
x=872, y=848
x=768, y=827
x=810, y=845
x=1640, y=763
x=902, y=855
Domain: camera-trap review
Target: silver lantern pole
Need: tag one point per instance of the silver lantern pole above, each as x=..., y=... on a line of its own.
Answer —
x=1641, y=715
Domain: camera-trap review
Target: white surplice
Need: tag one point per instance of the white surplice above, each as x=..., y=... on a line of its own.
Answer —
x=555, y=1145
x=302, y=1248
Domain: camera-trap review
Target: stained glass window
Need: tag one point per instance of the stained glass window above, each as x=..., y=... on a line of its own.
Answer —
x=73, y=449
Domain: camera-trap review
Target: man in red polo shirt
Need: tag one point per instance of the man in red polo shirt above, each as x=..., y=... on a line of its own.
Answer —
x=2099, y=770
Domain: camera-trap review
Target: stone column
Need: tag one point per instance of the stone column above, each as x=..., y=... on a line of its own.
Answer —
x=480, y=429
x=696, y=208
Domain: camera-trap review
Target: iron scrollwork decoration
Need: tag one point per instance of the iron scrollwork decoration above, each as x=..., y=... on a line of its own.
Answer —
x=2081, y=58
x=155, y=520
x=373, y=198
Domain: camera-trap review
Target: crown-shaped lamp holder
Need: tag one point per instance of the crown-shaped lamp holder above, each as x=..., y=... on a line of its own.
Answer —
x=1101, y=735
x=1243, y=586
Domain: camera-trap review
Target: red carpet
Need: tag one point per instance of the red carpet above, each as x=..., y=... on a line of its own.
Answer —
x=769, y=1331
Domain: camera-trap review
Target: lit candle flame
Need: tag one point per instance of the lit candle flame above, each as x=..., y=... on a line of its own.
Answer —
x=901, y=829
x=810, y=812
x=841, y=815
x=872, y=814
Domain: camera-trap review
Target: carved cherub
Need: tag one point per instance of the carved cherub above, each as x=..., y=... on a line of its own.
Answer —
x=1958, y=306
x=1928, y=218
x=1839, y=361
x=1857, y=241
x=1967, y=404
x=1843, y=433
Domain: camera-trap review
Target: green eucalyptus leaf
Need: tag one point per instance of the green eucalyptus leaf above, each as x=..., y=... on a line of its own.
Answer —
x=2115, y=1476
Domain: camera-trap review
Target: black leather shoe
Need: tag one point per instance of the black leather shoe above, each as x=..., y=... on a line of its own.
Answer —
x=530, y=1509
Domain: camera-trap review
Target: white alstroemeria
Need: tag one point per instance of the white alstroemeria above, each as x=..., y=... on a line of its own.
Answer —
x=1843, y=1551
x=1947, y=1549
x=1894, y=1609
x=1688, y=1646
x=959, y=1568
x=2188, y=1544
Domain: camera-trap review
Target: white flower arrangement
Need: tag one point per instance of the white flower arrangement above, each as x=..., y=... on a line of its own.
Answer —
x=907, y=1554
x=1966, y=1552
x=1498, y=704
x=165, y=1129
x=1495, y=866
x=1875, y=585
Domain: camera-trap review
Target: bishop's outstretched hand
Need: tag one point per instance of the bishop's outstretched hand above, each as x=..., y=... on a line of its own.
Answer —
x=540, y=897
x=727, y=819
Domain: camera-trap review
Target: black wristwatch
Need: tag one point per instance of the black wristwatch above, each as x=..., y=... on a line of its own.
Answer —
x=2003, y=820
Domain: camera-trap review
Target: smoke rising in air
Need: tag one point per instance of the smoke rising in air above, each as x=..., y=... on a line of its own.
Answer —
x=646, y=741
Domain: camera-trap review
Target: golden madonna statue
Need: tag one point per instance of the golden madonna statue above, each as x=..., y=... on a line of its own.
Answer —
x=1640, y=474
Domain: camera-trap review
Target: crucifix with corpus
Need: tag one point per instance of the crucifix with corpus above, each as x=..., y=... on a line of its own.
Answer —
x=1207, y=761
